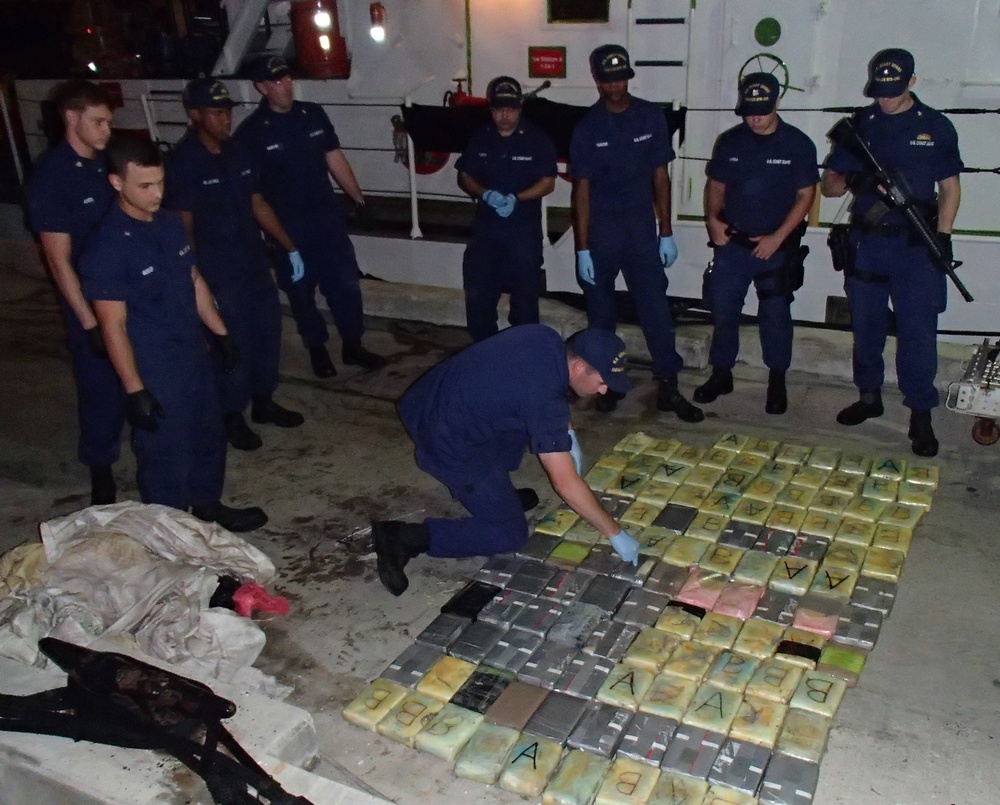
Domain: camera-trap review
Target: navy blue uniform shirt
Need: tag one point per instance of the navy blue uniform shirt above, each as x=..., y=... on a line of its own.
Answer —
x=762, y=174
x=618, y=153
x=509, y=165
x=506, y=391
x=288, y=150
x=919, y=147
x=147, y=265
x=70, y=194
x=217, y=189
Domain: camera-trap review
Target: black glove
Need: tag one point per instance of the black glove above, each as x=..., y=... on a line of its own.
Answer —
x=142, y=409
x=861, y=182
x=944, y=242
x=230, y=353
x=96, y=342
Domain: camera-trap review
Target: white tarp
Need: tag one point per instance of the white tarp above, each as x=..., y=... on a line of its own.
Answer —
x=142, y=574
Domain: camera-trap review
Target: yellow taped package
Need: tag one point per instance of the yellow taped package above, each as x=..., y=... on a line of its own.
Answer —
x=712, y=708
x=577, y=779
x=630, y=782
x=448, y=732
x=374, y=703
x=669, y=695
x=531, y=763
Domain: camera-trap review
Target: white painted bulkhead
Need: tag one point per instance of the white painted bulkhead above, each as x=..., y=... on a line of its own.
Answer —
x=824, y=46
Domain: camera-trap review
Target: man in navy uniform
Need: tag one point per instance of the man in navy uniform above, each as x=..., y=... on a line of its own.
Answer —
x=919, y=146
x=508, y=166
x=211, y=182
x=621, y=200
x=153, y=307
x=473, y=416
x=295, y=150
x=67, y=197
x=761, y=184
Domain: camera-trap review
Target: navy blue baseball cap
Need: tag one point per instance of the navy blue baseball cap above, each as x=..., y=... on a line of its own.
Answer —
x=611, y=63
x=758, y=94
x=203, y=92
x=604, y=351
x=270, y=68
x=889, y=73
x=504, y=92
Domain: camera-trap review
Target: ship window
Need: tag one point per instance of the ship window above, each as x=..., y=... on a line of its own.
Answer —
x=578, y=10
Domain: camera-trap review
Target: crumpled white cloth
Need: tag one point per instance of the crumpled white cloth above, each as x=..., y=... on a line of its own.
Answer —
x=142, y=573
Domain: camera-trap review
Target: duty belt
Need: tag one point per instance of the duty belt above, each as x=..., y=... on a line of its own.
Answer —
x=885, y=230
x=738, y=238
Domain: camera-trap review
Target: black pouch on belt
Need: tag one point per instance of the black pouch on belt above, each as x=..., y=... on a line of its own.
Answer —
x=841, y=249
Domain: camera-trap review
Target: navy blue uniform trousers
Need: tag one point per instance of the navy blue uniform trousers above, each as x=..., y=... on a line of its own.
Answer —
x=497, y=524
x=183, y=462
x=100, y=400
x=332, y=266
x=733, y=270
x=918, y=293
x=628, y=245
x=252, y=313
x=492, y=265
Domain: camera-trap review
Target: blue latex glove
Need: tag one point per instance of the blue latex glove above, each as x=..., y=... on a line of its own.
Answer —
x=507, y=206
x=626, y=547
x=298, y=267
x=576, y=451
x=494, y=198
x=668, y=251
x=585, y=266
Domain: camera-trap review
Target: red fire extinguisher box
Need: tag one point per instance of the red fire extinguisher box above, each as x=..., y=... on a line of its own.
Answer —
x=322, y=51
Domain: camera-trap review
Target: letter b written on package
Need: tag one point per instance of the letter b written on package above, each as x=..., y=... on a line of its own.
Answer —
x=627, y=782
x=819, y=689
x=410, y=712
x=378, y=696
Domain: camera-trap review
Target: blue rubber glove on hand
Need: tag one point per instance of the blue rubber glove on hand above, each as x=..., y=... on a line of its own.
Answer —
x=576, y=451
x=585, y=266
x=494, y=198
x=298, y=267
x=626, y=547
x=668, y=251
x=507, y=205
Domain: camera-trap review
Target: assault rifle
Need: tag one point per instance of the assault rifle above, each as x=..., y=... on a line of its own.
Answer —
x=846, y=134
x=117, y=700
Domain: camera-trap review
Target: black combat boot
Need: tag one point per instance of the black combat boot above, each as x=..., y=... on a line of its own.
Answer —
x=869, y=405
x=231, y=518
x=239, y=434
x=719, y=382
x=322, y=366
x=777, y=394
x=396, y=543
x=265, y=411
x=102, y=486
x=668, y=398
x=923, y=442
x=356, y=355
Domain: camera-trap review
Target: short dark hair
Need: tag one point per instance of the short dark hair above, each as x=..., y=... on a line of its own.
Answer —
x=78, y=94
x=125, y=149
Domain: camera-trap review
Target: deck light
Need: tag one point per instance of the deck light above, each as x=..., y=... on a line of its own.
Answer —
x=378, y=22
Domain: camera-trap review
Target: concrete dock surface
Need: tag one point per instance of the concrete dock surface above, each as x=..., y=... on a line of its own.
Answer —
x=922, y=726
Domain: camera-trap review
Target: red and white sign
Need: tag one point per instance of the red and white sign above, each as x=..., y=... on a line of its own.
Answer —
x=546, y=62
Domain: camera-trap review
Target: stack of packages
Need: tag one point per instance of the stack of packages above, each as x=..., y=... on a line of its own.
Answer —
x=709, y=673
